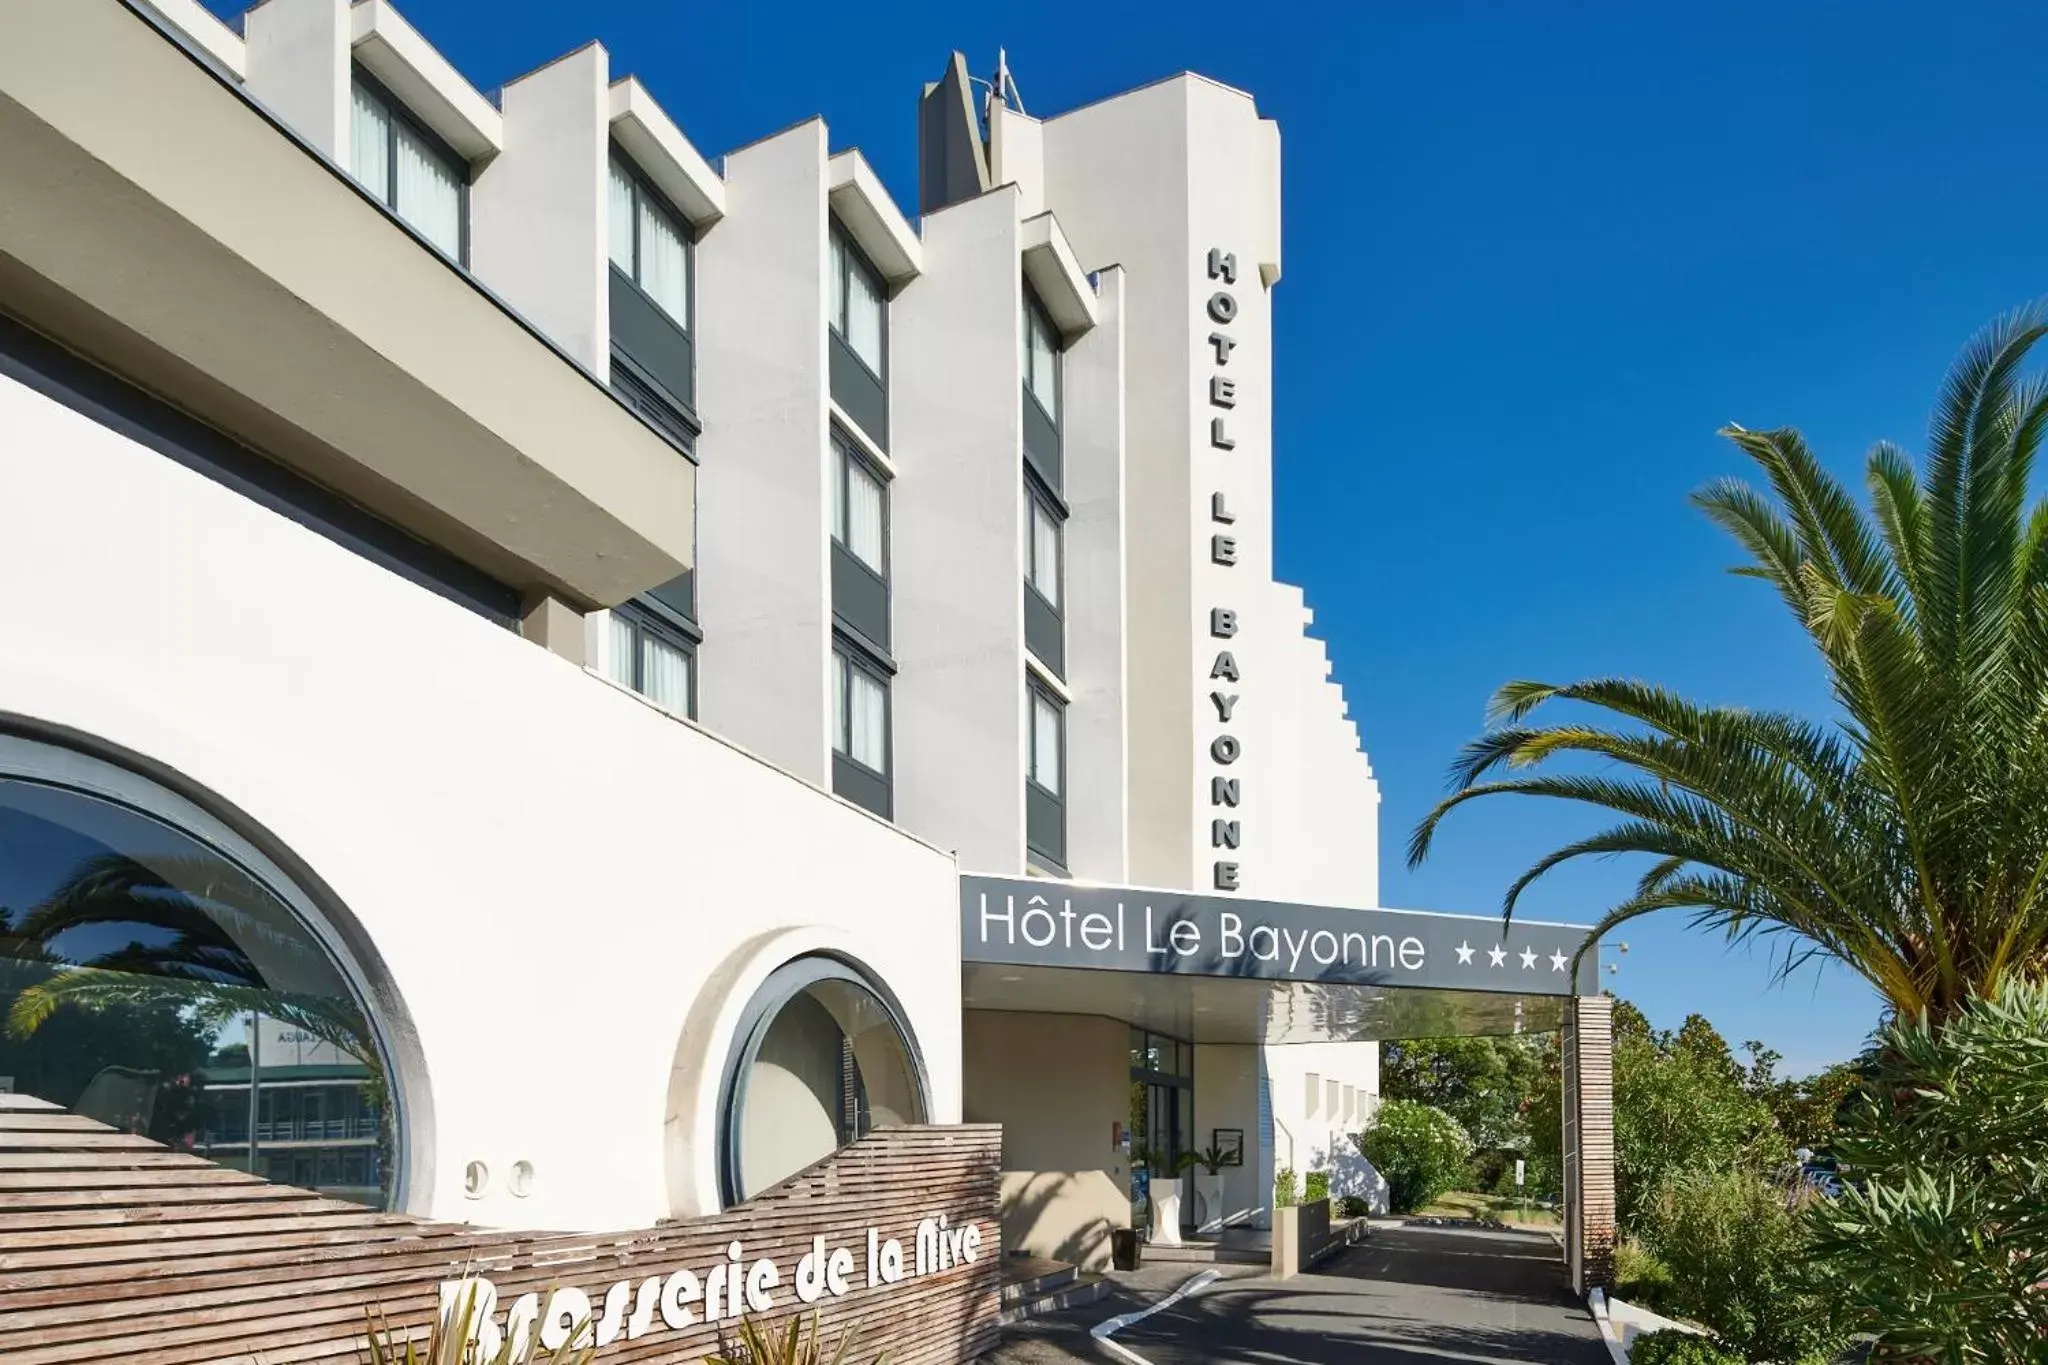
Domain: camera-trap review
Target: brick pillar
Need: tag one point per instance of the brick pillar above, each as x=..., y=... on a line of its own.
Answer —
x=1589, y=1142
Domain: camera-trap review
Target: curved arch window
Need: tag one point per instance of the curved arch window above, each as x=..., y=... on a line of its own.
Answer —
x=159, y=975
x=822, y=1058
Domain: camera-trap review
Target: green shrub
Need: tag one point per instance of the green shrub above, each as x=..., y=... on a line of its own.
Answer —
x=1285, y=1193
x=1317, y=1187
x=1681, y=1348
x=1640, y=1278
x=1353, y=1206
x=1419, y=1151
x=1939, y=1243
x=1734, y=1244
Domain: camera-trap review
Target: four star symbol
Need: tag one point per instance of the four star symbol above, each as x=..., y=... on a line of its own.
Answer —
x=1497, y=955
x=1528, y=959
x=1557, y=961
x=1464, y=953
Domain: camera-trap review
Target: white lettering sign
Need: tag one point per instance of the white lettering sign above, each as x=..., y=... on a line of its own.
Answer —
x=730, y=1289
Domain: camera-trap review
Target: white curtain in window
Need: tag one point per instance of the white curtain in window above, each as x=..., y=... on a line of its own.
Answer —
x=864, y=317
x=840, y=668
x=1044, y=369
x=369, y=148
x=665, y=674
x=1045, y=553
x=664, y=262
x=837, y=269
x=869, y=722
x=1045, y=743
x=863, y=515
x=618, y=217
x=620, y=643
x=429, y=194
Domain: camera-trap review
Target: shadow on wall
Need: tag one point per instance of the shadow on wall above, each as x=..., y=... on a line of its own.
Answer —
x=1062, y=1215
x=1351, y=1173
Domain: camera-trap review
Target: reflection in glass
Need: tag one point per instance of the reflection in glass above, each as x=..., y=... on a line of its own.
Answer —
x=831, y=1066
x=150, y=983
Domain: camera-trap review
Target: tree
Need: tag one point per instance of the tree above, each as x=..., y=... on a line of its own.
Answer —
x=1939, y=1241
x=1418, y=1150
x=1909, y=839
x=1486, y=1084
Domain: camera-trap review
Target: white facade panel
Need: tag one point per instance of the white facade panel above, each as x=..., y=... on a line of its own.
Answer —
x=958, y=537
x=764, y=581
x=570, y=891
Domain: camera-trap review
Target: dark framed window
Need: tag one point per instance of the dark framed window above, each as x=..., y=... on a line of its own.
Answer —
x=859, y=337
x=860, y=700
x=411, y=171
x=860, y=304
x=1045, y=776
x=652, y=249
x=1044, y=583
x=1041, y=357
x=860, y=507
x=835, y=1059
x=167, y=978
x=650, y=243
x=653, y=656
x=1046, y=552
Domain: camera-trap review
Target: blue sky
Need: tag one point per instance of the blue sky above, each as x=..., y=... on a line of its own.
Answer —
x=1535, y=256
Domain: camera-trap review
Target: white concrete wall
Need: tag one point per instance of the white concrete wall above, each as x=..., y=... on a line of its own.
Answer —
x=957, y=537
x=1060, y=1086
x=298, y=65
x=1096, y=608
x=1113, y=173
x=537, y=230
x=764, y=587
x=572, y=892
x=1017, y=157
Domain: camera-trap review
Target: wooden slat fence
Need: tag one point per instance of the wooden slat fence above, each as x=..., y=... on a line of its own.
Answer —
x=113, y=1247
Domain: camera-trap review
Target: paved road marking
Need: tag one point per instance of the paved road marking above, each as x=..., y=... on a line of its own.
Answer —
x=1103, y=1331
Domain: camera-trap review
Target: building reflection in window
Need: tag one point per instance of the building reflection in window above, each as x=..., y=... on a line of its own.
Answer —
x=151, y=982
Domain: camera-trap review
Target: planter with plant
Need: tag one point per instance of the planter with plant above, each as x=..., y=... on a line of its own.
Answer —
x=1286, y=1192
x=1316, y=1187
x=1209, y=1185
x=1673, y=1347
x=1164, y=1170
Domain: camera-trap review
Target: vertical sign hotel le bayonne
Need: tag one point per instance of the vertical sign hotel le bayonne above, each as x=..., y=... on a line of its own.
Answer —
x=1225, y=830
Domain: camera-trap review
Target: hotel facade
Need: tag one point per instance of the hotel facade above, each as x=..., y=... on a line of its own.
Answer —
x=556, y=680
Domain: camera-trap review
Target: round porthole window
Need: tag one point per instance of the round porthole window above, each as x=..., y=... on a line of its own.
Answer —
x=161, y=975
x=821, y=1059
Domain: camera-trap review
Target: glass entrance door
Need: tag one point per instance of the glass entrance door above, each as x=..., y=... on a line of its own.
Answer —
x=1162, y=1121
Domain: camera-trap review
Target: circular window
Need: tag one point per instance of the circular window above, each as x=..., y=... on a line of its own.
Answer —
x=821, y=1059
x=160, y=975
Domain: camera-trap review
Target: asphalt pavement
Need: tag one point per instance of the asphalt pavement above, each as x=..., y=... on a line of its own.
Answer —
x=1407, y=1296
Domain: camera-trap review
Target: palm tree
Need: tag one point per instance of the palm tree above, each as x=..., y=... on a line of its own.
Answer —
x=1908, y=836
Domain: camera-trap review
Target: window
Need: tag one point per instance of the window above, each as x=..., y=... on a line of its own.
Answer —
x=860, y=699
x=859, y=313
x=859, y=508
x=1041, y=358
x=1042, y=556
x=653, y=658
x=1048, y=742
x=820, y=1059
x=649, y=243
x=411, y=171
x=166, y=978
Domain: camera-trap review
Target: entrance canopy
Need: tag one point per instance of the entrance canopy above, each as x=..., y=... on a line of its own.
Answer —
x=1216, y=969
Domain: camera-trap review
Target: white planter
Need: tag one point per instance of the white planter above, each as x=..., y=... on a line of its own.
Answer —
x=1166, y=1215
x=1209, y=1185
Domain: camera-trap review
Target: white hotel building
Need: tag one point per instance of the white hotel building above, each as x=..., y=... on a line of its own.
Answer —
x=554, y=614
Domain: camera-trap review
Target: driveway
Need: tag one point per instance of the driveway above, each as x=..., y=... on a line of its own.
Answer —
x=1408, y=1296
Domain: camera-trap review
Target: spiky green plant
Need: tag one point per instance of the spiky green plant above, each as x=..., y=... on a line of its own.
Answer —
x=1909, y=837
x=451, y=1340
x=801, y=1342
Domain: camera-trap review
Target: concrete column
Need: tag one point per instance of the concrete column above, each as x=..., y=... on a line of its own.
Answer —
x=1589, y=1142
x=298, y=65
x=554, y=625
